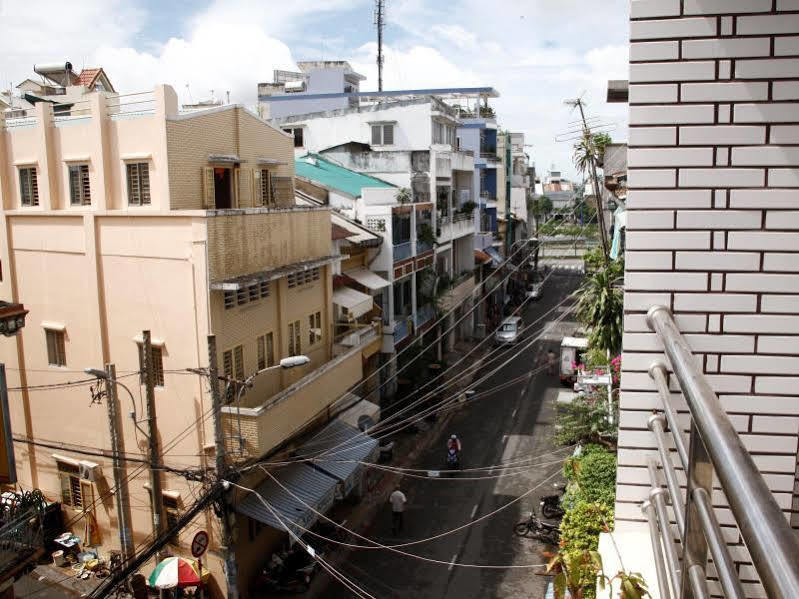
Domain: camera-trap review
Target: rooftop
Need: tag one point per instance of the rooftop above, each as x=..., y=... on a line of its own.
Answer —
x=442, y=92
x=330, y=174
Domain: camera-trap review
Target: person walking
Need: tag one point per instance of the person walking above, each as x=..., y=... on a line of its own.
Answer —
x=398, y=501
x=550, y=362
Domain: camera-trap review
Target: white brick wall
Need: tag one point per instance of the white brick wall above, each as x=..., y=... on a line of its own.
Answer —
x=713, y=226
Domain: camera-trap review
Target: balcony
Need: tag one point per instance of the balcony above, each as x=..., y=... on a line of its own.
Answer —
x=403, y=251
x=462, y=287
x=21, y=543
x=355, y=335
x=424, y=315
x=461, y=225
x=401, y=328
x=282, y=416
x=259, y=241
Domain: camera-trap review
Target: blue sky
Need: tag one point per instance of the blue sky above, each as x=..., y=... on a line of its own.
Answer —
x=535, y=52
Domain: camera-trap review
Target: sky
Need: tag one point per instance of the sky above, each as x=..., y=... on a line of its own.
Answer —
x=535, y=53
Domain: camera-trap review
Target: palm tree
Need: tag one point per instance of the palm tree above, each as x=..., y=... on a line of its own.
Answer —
x=601, y=308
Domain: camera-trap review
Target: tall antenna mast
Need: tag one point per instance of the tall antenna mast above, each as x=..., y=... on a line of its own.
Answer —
x=380, y=22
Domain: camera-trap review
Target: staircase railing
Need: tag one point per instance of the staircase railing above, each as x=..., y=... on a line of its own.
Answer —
x=713, y=447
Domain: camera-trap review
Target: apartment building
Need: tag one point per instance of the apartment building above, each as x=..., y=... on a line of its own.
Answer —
x=512, y=177
x=712, y=235
x=130, y=215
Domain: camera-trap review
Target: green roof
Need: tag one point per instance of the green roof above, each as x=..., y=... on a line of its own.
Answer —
x=319, y=170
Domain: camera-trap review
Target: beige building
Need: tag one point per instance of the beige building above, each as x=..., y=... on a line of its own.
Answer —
x=128, y=215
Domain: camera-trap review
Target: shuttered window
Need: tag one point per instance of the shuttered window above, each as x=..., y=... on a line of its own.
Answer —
x=266, y=350
x=56, y=348
x=157, y=363
x=138, y=183
x=295, y=344
x=79, y=191
x=28, y=186
x=303, y=278
x=233, y=369
x=314, y=328
x=383, y=135
x=266, y=195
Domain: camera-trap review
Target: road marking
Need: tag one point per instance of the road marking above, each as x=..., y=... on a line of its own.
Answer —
x=474, y=511
x=513, y=415
x=452, y=562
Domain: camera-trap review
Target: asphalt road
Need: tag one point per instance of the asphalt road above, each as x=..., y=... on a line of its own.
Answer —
x=515, y=422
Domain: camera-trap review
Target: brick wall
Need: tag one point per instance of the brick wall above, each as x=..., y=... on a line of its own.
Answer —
x=713, y=225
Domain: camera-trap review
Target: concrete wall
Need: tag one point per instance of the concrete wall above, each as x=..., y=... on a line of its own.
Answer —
x=711, y=228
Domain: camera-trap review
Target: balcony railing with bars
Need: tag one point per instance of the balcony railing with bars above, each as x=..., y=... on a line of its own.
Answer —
x=424, y=315
x=21, y=540
x=402, y=250
x=713, y=449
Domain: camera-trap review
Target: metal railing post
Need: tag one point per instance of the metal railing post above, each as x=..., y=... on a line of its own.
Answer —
x=660, y=375
x=655, y=424
x=771, y=542
x=658, y=497
x=700, y=476
x=654, y=536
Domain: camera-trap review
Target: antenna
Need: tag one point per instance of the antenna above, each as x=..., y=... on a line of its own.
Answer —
x=380, y=23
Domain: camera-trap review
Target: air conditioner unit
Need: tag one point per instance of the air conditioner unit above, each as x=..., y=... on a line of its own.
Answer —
x=89, y=470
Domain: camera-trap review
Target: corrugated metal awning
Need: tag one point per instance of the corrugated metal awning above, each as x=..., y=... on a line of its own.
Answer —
x=356, y=303
x=367, y=278
x=312, y=486
x=340, y=448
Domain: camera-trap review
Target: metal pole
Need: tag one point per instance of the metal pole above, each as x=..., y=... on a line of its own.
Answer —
x=659, y=374
x=694, y=556
x=120, y=480
x=654, y=537
x=231, y=573
x=597, y=191
x=657, y=495
x=771, y=542
x=508, y=222
x=157, y=496
x=655, y=424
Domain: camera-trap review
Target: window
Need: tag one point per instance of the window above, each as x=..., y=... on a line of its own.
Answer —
x=138, y=183
x=233, y=368
x=266, y=351
x=79, y=191
x=28, y=186
x=267, y=197
x=314, y=328
x=303, y=278
x=56, y=350
x=295, y=346
x=264, y=287
x=298, y=135
x=251, y=293
x=230, y=299
x=383, y=135
x=156, y=363
x=172, y=513
x=76, y=493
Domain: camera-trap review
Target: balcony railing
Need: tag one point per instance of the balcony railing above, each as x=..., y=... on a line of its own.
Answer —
x=714, y=449
x=424, y=315
x=354, y=335
x=403, y=251
x=423, y=246
x=401, y=328
x=21, y=540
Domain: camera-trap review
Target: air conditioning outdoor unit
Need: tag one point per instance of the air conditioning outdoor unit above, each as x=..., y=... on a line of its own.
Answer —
x=90, y=471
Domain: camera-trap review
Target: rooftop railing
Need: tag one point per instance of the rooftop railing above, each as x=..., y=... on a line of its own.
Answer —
x=713, y=448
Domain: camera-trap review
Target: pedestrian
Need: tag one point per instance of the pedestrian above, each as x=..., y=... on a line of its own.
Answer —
x=398, y=501
x=550, y=362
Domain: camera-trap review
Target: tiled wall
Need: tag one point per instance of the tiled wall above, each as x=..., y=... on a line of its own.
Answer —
x=713, y=224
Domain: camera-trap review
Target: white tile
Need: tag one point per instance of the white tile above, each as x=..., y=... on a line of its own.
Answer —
x=714, y=324
x=673, y=28
x=725, y=69
x=721, y=7
x=661, y=157
x=726, y=25
x=765, y=156
x=726, y=47
x=668, y=240
x=715, y=219
x=780, y=303
x=761, y=324
x=708, y=302
x=769, y=443
x=787, y=134
x=764, y=198
x=641, y=9
x=781, y=263
x=721, y=92
x=786, y=46
x=771, y=424
x=652, y=94
x=785, y=90
x=719, y=240
x=762, y=24
x=717, y=261
x=672, y=71
x=671, y=115
x=787, y=5
x=644, y=301
x=654, y=50
x=649, y=219
x=724, y=113
x=647, y=260
x=754, y=364
x=729, y=383
x=721, y=177
x=671, y=281
x=711, y=363
x=775, y=68
x=668, y=198
x=720, y=197
x=783, y=177
x=761, y=404
x=776, y=384
x=722, y=157
x=722, y=135
x=716, y=281
x=652, y=136
x=776, y=112
x=778, y=344
x=784, y=219
x=763, y=241
x=651, y=178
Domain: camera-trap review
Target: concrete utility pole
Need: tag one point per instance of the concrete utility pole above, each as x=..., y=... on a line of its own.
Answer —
x=380, y=22
x=508, y=221
x=155, y=456
x=120, y=480
x=221, y=470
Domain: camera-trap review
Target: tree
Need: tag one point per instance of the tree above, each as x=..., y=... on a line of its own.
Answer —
x=539, y=207
x=601, y=305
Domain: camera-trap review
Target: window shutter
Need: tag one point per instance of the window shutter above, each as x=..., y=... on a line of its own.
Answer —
x=388, y=135
x=208, y=187
x=236, y=188
x=376, y=130
x=268, y=190
x=245, y=193
x=257, y=199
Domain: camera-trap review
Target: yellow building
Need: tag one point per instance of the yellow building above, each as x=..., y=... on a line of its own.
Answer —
x=123, y=214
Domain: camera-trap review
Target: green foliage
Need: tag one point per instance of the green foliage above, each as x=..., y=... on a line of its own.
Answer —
x=600, y=307
x=595, y=478
x=569, y=229
x=585, y=420
x=581, y=525
x=574, y=572
x=600, y=141
x=404, y=195
x=589, y=149
x=539, y=206
x=425, y=234
x=468, y=207
x=595, y=357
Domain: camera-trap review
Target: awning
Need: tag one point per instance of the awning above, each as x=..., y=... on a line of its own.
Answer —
x=313, y=487
x=367, y=278
x=356, y=303
x=496, y=259
x=343, y=448
x=480, y=257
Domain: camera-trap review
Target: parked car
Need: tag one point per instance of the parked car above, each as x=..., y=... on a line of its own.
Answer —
x=510, y=331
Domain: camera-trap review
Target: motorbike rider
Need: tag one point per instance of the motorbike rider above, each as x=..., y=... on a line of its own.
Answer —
x=454, y=443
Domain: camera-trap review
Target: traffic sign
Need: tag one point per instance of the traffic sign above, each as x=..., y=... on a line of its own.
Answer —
x=199, y=543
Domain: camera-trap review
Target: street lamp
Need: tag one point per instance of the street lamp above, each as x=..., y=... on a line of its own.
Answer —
x=12, y=319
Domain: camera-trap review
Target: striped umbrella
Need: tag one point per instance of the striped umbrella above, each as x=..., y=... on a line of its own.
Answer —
x=177, y=572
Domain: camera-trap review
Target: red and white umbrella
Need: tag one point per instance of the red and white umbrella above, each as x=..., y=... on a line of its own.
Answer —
x=177, y=572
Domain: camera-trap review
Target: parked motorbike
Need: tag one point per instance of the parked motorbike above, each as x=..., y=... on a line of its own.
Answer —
x=453, y=459
x=550, y=504
x=290, y=573
x=538, y=529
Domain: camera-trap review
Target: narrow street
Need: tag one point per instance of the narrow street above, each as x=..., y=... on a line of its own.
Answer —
x=515, y=422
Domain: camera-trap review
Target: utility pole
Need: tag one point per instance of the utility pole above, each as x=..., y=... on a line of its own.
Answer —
x=603, y=234
x=508, y=221
x=380, y=22
x=152, y=428
x=120, y=480
x=221, y=469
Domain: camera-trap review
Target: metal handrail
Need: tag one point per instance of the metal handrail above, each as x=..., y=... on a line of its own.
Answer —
x=771, y=542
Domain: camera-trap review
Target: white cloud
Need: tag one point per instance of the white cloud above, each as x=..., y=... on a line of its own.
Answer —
x=455, y=34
